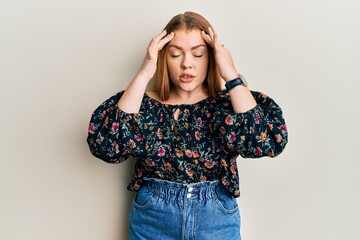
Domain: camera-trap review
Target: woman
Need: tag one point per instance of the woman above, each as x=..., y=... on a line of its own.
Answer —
x=186, y=134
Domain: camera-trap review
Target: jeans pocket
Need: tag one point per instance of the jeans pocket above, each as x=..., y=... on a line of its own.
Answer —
x=143, y=198
x=227, y=203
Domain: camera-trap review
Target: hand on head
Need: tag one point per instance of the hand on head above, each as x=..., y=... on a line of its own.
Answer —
x=223, y=57
x=157, y=43
x=148, y=67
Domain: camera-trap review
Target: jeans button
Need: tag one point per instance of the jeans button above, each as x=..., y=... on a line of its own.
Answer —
x=190, y=189
x=188, y=195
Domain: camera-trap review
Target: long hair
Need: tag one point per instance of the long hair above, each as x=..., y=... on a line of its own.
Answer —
x=189, y=21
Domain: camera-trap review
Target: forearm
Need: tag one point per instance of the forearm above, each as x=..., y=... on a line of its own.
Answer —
x=241, y=99
x=131, y=99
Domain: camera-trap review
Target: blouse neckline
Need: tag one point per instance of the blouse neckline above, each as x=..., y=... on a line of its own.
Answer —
x=178, y=105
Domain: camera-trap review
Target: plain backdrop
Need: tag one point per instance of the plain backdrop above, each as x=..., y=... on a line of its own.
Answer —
x=59, y=60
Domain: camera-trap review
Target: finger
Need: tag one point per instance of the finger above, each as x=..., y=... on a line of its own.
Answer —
x=206, y=37
x=216, y=40
x=151, y=44
x=165, y=40
x=161, y=35
x=154, y=40
x=211, y=33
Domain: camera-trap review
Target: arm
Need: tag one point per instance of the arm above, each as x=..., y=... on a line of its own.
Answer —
x=254, y=125
x=114, y=132
x=241, y=97
x=131, y=100
x=259, y=132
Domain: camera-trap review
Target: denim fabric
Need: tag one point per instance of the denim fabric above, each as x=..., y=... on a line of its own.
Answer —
x=164, y=210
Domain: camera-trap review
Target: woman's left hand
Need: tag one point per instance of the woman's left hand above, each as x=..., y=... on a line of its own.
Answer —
x=223, y=57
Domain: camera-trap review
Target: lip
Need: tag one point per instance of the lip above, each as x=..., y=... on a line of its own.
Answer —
x=186, y=77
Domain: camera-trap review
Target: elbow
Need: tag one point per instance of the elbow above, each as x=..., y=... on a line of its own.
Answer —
x=271, y=149
x=104, y=156
x=101, y=152
x=280, y=144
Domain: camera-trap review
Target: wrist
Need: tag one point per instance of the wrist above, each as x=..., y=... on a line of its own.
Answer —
x=143, y=76
x=231, y=76
x=239, y=80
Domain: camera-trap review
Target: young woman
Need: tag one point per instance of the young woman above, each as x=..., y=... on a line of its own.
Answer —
x=186, y=134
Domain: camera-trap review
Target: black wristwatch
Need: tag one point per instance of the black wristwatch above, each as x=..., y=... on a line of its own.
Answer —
x=240, y=80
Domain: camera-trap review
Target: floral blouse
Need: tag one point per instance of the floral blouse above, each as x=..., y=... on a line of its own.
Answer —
x=201, y=145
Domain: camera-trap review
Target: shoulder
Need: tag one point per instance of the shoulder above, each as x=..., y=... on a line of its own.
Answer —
x=221, y=98
x=152, y=94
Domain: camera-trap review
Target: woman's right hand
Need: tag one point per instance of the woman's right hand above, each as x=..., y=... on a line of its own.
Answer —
x=148, y=67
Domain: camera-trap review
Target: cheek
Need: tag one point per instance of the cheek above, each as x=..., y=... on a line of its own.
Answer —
x=204, y=65
x=171, y=66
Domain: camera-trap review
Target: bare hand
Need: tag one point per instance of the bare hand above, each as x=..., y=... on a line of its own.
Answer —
x=148, y=66
x=223, y=57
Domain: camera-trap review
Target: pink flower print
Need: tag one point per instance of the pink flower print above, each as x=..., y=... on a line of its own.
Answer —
x=258, y=151
x=232, y=137
x=283, y=127
x=225, y=182
x=115, y=127
x=278, y=138
x=161, y=152
x=160, y=136
x=257, y=119
x=138, y=137
x=91, y=128
x=199, y=121
x=222, y=130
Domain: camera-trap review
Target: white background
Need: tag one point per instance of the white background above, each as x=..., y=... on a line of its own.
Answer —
x=60, y=59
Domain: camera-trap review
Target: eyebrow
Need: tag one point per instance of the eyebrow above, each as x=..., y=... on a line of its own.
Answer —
x=180, y=48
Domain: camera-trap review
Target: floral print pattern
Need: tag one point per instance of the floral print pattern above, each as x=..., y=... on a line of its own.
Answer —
x=201, y=145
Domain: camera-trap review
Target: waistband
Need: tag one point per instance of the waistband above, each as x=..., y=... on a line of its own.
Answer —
x=178, y=192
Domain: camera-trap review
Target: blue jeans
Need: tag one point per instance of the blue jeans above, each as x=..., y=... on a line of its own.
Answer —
x=164, y=210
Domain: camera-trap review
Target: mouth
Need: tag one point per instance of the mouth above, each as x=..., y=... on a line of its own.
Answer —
x=186, y=77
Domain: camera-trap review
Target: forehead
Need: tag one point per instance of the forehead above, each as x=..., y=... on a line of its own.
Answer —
x=186, y=39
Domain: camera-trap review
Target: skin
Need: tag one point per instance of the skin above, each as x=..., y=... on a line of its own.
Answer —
x=187, y=54
x=181, y=43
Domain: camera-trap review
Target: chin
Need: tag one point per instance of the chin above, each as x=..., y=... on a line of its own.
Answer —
x=188, y=87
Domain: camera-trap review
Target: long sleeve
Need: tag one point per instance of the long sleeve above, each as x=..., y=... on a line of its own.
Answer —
x=259, y=132
x=114, y=135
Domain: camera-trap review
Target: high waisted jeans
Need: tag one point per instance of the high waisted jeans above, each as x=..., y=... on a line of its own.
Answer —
x=164, y=210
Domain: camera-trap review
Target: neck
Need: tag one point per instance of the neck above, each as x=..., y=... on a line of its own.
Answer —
x=179, y=96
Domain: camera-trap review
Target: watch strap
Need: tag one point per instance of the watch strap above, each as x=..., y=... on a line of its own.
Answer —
x=233, y=83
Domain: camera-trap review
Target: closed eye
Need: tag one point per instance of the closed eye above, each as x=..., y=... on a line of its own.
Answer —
x=198, y=56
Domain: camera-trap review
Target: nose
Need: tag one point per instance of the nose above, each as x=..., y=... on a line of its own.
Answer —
x=186, y=63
